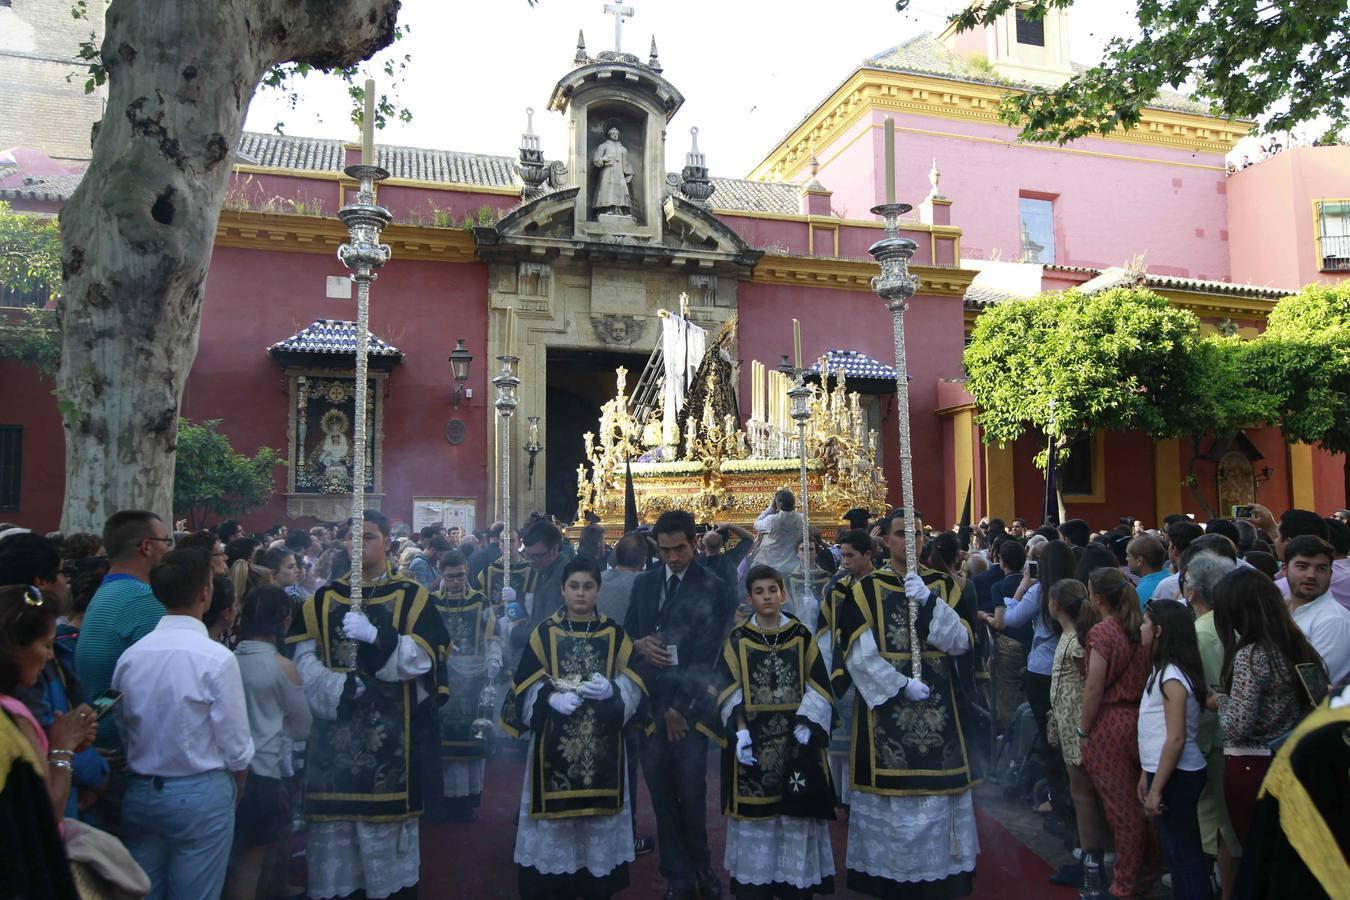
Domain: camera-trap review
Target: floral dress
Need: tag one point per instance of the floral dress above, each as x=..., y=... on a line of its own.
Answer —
x=1067, y=678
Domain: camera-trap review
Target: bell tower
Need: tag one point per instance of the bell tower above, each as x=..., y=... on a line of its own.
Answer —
x=1019, y=47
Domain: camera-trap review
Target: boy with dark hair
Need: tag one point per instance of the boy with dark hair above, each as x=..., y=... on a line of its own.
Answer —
x=1076, y=532
x=362, y=810
x=185, y=724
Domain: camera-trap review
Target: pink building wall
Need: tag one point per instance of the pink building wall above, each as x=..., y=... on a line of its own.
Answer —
x=1270, y=215
x=1113, y=200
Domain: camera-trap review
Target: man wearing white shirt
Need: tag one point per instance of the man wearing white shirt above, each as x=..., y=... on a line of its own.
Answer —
x=1324, y=622
x=780, y=533
x=185, y=726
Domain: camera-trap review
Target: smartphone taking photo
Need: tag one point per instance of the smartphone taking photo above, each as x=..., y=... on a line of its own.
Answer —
x=105, y=701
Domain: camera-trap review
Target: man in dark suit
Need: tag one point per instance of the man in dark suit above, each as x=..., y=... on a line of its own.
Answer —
x=679, y=614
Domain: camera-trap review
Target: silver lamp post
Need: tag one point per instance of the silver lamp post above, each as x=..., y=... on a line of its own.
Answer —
x=506, y=383
x=801, y=413
x=895, y=286
x=364, y=255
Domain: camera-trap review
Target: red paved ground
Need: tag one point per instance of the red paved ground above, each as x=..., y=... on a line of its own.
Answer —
x=474, y=860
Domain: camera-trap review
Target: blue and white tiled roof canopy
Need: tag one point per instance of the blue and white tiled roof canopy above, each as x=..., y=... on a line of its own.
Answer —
x=333, y=336
x=855, y=365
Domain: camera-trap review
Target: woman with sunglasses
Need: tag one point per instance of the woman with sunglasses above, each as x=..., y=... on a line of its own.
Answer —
x=27, y=630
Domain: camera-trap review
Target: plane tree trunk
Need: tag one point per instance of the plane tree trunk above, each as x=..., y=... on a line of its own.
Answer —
x=137, y=234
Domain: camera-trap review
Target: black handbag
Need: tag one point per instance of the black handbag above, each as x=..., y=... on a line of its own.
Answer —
x=807, y=791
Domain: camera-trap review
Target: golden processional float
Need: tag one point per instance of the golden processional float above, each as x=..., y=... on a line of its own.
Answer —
x=680, y=432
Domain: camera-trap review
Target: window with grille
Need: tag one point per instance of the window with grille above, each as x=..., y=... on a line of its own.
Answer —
x=1333, y=235
x=1075, y=468
x=1030, y=31
x=11, y=465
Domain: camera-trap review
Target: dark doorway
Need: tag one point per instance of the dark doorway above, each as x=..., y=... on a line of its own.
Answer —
x=579, y=383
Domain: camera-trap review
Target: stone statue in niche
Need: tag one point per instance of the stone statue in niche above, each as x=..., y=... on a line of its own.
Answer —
x=612, y=196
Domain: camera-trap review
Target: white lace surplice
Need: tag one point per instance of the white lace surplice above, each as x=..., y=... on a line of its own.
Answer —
x=379, y=858
x=918, y=838
x=598, y=844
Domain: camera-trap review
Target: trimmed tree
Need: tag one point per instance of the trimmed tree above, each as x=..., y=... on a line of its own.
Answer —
x=211, y=479
x=138, y=233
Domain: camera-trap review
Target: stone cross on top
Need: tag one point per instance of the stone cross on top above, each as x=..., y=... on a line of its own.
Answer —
x=620, y=12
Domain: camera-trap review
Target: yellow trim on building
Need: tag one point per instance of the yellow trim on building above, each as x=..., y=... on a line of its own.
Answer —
x=323, y=234
x=1320, y=260
x=1166, y=479
x=999, y=482
x=1301, y=487
x=855, y=275
x=963, y=458
x=874, y=89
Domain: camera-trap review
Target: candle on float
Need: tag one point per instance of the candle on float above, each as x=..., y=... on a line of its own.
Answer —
x=797, y=343
x=890, y=160
x=368, y=125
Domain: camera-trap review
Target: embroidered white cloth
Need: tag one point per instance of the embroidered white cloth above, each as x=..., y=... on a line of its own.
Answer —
x=379, y=858
x=784, y=849
x=681, y=364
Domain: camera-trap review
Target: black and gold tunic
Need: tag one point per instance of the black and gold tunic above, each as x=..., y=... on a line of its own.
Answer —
x=903, y=747
x=470, y=624
x=577, y=766
x=490, y=581
x=773, y=669
x=360, y=766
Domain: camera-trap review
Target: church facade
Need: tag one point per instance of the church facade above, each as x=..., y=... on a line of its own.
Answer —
x=584, y=246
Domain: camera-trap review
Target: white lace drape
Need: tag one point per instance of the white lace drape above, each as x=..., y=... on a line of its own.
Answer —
x=784, y=850
x=379, y=858
x=463, y=778
x=598, y=844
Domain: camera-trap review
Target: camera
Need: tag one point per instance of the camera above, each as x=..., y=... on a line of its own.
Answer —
x=1242, y=511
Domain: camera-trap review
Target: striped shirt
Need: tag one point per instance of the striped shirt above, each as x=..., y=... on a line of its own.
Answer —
x=123, y=611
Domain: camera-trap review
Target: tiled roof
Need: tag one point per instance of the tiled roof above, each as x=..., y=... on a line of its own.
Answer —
x=1157, y=282
x=42, y=187
x=978, y=296
x=335, y=336
x=275, y=151
x=739, y=195
x=924, y=54
x=855, y=365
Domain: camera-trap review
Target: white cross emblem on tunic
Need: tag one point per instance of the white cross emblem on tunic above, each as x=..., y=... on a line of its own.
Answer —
x=797, y=783
x=620, y=12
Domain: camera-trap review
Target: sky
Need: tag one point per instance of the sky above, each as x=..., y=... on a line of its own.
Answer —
x=749, y=70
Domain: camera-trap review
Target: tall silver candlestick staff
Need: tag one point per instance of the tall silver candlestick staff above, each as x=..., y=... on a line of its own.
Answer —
x=364, y=255
x=801, y=413
x=506, y=383
x=895, y=286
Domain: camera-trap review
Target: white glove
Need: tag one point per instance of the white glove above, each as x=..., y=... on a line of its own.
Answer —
x=494, y=668
x=360, y=689
x=564, y=702
x=802, y=734
x=357, y=627
x=915, y=690
x=508, y=595
x=743, y=754
x=597, y=688
x=915, y=589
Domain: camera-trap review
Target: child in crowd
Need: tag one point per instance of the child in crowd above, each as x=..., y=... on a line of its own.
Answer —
x=1069, y=605
x=574, y=691
x=1173, y=766
x=774, y=701
x=1117, y=668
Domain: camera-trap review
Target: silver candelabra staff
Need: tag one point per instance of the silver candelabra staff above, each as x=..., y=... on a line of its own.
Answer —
x=506, y=383
x=895, y=286
x=801, y=413
x=364, y=255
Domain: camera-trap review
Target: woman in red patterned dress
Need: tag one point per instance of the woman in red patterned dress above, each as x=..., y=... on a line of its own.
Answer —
x=1118, y=666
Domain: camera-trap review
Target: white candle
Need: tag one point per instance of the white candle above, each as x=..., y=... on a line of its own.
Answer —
x=368, y=125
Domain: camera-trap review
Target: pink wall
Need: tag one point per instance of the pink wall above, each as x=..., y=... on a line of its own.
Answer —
x=855, y=320
x=420, y=307
x=28, y=401
x=1107, y=208
x=1270, y=215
